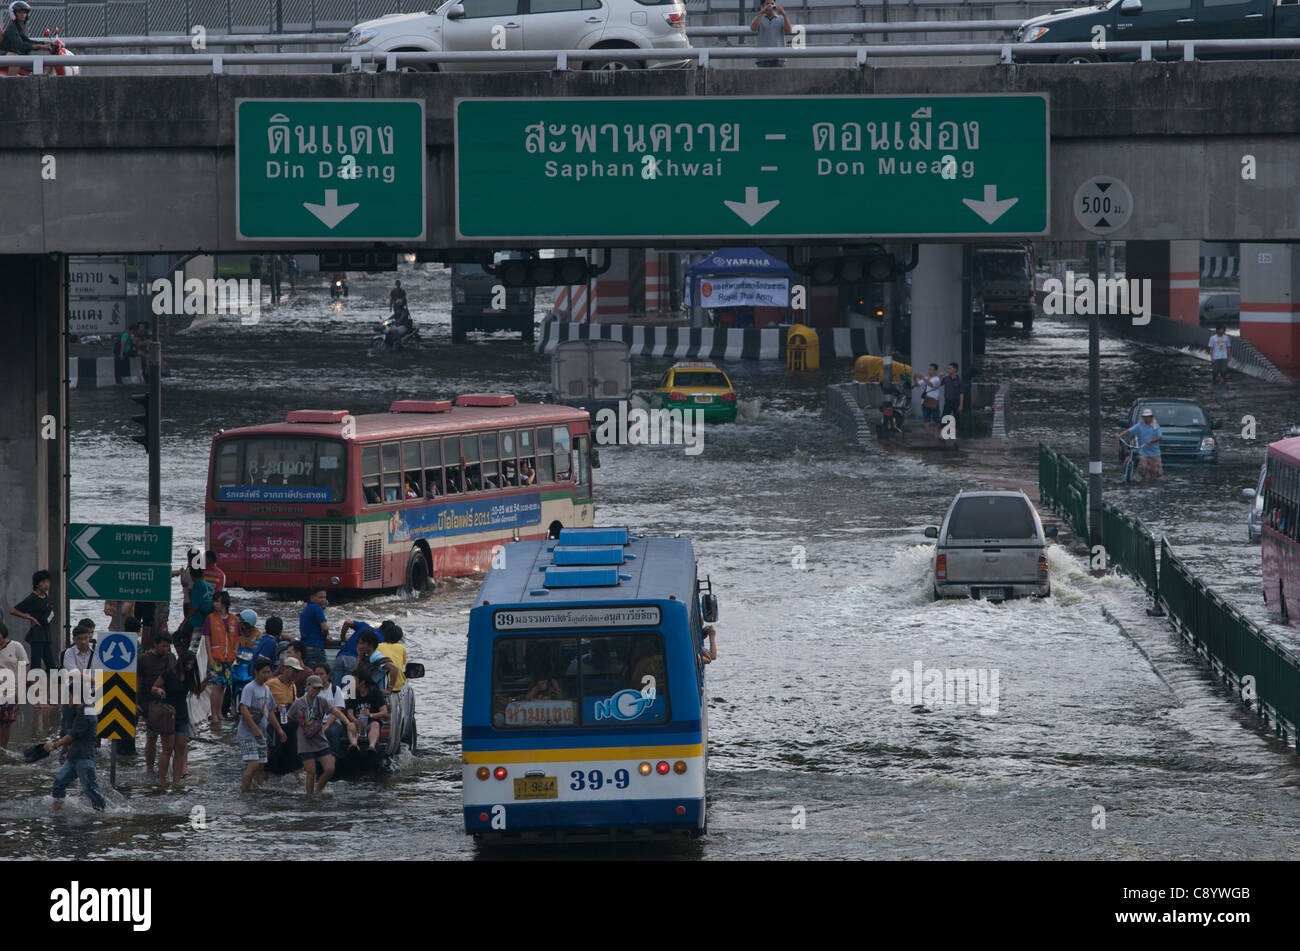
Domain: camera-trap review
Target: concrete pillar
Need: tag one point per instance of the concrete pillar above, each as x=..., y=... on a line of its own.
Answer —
x=1270, y=312
x=936, y=310
x=1174, y=269
x=33, y=431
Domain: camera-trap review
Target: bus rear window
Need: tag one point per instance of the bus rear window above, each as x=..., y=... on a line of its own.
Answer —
x=259, y=469
x=555, y=681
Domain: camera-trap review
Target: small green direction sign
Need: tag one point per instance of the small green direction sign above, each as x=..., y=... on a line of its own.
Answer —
x=120, y=561
x=790, y=167
x=330, y=169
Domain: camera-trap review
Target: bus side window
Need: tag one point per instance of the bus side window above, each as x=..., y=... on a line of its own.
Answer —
x=470, y=460
x=545, y=461
x=451, y=461
x=391, y=453
x=562, y=449
x=412, y=479
x=527, y=457
x=491, y=475
x=370, y=474
x=432, y=474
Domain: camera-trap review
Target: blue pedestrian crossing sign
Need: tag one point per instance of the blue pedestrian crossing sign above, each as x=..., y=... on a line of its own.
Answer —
x=117, y=652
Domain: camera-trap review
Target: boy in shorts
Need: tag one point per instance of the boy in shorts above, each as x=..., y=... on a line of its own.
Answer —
x=255, y=705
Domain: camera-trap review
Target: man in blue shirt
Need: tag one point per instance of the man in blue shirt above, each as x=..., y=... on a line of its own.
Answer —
x=268, y=645
x=1147, y=433
x=313, y=629
x=345, y=662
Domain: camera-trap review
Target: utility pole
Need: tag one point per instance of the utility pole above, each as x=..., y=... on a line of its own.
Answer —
x=1094, y=411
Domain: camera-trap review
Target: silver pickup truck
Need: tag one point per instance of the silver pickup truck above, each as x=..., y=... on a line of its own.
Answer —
x=991, y=546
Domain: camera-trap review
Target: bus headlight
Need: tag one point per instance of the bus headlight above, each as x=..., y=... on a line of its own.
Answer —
x=644, y=769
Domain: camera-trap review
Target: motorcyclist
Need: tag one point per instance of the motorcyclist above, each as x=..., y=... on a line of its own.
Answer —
x=16, y=42
x=401, y=327
x=338, y=284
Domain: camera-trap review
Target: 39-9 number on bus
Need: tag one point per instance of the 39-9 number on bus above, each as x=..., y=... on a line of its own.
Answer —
x=595, y=779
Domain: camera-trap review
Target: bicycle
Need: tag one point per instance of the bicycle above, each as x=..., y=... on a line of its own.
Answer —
x=1129, y=474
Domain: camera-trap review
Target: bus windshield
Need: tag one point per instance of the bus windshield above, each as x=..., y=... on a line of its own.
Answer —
x=567, y=680
x=265, y=468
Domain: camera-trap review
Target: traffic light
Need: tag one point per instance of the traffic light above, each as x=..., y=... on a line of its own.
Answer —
x=145, y=420
x=870, y=264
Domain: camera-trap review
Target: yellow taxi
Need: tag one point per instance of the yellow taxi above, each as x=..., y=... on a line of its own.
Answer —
x=696, y=385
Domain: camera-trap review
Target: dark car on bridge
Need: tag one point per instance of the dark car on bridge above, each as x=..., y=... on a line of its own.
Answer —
x=1126, y=21
x=1185, y=431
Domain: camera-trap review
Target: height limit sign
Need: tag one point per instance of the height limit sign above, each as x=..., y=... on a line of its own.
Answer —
x=1103, y=204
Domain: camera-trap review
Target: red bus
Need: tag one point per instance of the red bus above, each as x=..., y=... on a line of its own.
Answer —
x=427, y=490
x=1281, y=528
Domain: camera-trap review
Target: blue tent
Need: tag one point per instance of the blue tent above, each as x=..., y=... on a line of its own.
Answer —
x=739, y=261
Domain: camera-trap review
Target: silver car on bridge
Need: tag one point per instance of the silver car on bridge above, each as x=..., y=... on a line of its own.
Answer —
x=991, y=546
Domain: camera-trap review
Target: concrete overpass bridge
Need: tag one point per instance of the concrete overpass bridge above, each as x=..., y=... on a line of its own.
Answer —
x=116, y=164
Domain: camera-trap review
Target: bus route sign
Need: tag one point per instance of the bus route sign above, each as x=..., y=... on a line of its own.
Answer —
x=330, y=169
x=748, y=167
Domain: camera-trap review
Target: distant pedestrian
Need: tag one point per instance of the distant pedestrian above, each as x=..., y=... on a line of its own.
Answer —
x=200, y=607
x=1220, y=346
x=80, y=764
x=255, y=267
x=313, y=629
x=187, y=580
x=37, y=609
x=212, y=572
x=772, y=24
x=293, y=273
x=12, y=658
x=396, y=297
x=221, y=628
x=255, y=706
x=954, y=398
x=932, y=391
x=150, y=667
x=175, y=686
x=276, y=267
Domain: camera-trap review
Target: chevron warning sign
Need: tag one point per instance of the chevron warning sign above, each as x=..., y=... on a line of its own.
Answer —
x=116, y=706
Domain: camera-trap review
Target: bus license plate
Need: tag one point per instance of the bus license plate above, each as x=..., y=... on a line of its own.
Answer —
x=536, y=787
x=704, y=398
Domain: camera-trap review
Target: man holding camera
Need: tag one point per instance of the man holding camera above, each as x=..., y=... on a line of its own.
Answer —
x=772, y=24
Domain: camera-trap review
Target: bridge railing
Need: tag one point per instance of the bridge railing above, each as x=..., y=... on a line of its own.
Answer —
x=1262, y=671
x=701, y=58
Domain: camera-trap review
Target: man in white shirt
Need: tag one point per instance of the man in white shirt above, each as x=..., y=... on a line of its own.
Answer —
x=1220, y=345
x=79, y=656
x=932, y=393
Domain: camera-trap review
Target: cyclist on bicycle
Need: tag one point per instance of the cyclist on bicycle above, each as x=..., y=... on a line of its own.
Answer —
x=1147, y=433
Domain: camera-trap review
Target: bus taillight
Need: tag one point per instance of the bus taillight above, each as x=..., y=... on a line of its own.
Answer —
x=941, y=567
x=663, y=767
x=483, y=772
x=679, y=767
x=499, y=772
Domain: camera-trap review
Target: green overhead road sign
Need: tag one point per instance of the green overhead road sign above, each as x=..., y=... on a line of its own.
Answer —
x=120, y=561
x=330, y=169
x=788, y=167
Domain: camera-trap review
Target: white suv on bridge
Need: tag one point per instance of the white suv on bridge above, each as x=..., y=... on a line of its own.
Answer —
x=485, y=25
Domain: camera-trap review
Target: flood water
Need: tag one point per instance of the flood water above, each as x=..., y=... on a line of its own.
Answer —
x=810, y=755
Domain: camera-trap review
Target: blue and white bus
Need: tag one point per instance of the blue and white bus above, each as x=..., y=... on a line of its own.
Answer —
x=584, y=709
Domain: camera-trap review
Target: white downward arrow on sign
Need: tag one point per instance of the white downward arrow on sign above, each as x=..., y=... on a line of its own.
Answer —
x=83, y=542
x=990, y=209
x=751, y=209
x=83, y=579
x=331, y=213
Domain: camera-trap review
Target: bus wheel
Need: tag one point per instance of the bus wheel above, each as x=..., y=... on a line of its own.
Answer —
x=554, y=530
x=417, y=572
x=1281, y=603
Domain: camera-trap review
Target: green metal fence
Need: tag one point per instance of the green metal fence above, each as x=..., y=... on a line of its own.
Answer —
x=1265, y=672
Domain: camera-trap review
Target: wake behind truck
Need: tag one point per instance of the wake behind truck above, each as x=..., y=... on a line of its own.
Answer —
x=1003, y=285
x=1156, y=20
